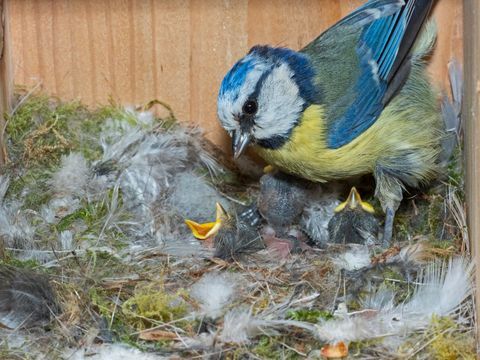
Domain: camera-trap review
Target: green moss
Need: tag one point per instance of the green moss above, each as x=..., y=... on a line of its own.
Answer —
x=104, y=302
x=33, y=110
x=436, y=216
x=447, y=342
x=32, y=187
x=309, y=315
x=24, y=264
x=268, y=347
x=91, y=214
x=152, y=303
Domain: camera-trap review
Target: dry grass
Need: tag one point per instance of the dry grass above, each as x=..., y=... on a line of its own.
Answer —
x=112, y=291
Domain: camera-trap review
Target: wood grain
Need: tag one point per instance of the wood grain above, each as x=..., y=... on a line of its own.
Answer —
x=176, y=51
x=6, y=75
x=471, y=114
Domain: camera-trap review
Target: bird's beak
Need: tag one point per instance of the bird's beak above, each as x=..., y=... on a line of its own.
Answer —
x=205, y=231
x=353, y=201
x=240, y=141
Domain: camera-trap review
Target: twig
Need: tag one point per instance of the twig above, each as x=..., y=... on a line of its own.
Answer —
x=115, y=308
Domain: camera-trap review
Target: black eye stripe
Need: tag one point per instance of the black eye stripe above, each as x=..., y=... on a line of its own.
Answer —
x=259, y=84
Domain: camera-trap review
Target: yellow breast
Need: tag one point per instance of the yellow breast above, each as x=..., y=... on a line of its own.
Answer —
x=306, y=153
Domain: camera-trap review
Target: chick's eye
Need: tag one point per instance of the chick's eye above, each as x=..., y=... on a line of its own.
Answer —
x=250, y=107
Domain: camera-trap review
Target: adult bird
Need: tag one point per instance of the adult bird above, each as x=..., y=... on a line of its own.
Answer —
x=355, y=100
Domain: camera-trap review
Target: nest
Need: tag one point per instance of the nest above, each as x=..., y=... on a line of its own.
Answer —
x=96, y=200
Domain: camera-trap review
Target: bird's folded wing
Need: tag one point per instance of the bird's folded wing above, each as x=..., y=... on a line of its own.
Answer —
x=382, y=42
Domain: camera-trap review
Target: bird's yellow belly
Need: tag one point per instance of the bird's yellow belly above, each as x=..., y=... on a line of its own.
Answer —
x=306, y=153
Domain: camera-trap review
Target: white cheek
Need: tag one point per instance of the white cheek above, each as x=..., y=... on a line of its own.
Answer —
x=279, y=103
x=225, y=115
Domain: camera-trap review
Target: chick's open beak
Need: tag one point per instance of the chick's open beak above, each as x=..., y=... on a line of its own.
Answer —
x=207, y=230
x=240, y=141
x=353, y=201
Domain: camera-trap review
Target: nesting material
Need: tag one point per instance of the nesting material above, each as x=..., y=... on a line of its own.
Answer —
x=111, y=352
x=201, y=206
x=72, y=176
x=26, y=298
x=215, y=292
x=104, y=213
x=440, y=291
x=317, y=215
x=240, y=326
x=355, y=258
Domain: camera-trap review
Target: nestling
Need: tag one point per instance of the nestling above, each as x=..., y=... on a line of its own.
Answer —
x=232, y=237
x=281, y=200
x=354, y=222
x=354, y=101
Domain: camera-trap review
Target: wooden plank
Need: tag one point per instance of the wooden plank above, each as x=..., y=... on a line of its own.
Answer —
x=175, y=51
x=218, y=38
x=6, y=72
x=62, y=55
x=171, y=42
x=289, y=23
x=448, y=16
x=471, y=115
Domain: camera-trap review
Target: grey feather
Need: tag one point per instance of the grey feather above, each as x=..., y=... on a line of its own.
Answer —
x=237, y=238
x=26, y=298
x=452, y=112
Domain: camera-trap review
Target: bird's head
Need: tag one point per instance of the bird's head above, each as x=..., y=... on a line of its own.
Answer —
x=263, y=96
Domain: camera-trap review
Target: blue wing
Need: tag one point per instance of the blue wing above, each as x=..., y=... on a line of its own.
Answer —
x=383, y=49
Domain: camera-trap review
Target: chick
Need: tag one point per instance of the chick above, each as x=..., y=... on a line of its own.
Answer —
x=231, y=236
x=26, y=298
x=282, y=199
x=356, y=100
x=236, y=238
x=280, y=202
x=354, y=222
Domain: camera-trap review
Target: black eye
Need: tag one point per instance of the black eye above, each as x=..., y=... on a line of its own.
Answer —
x=250, y=107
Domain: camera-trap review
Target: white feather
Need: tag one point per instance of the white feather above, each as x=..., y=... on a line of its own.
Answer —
x=239, y=326
x=354, y=258
x=72, y=176
x=58, y=208
x=16, y=228
x=4, y=184
x=65, y=238
x=111, y=352
x=442, y=290
x=316, y=217
x=214, y=292
x=192, y=197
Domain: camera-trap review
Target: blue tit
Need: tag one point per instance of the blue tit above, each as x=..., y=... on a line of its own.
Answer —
x=356, y=100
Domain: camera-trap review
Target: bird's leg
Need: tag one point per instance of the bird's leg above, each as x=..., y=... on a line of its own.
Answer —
x=388, y=227
x=389, y=191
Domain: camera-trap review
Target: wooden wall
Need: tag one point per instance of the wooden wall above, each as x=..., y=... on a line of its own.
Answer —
x=6, y=72
x=471, y=114
x=173, y=50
